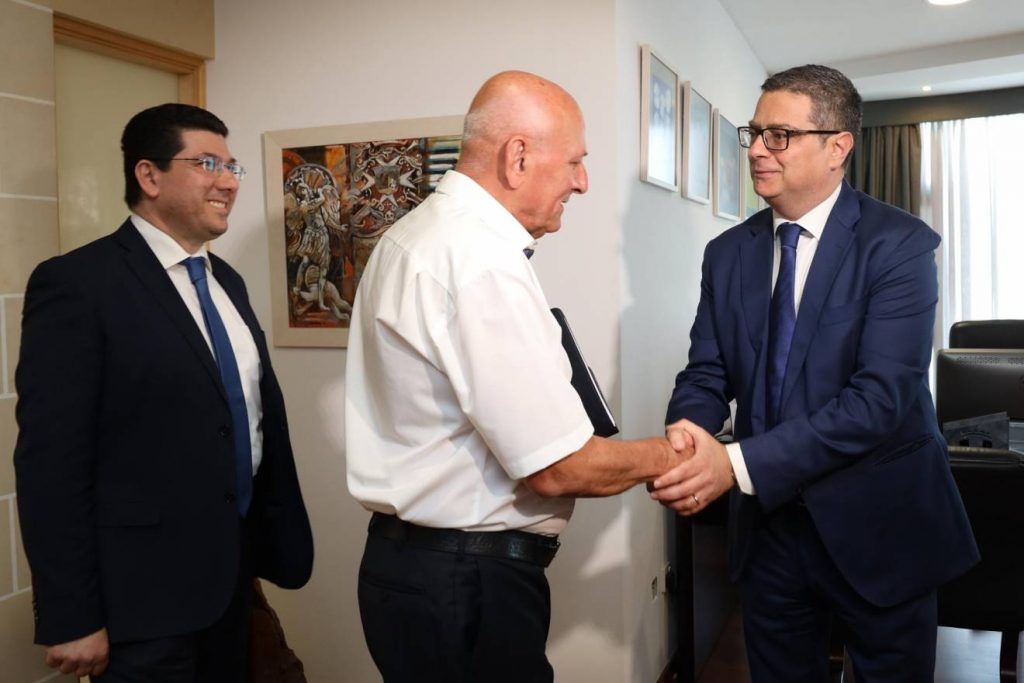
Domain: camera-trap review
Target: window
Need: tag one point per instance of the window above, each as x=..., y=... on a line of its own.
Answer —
x=972, y=190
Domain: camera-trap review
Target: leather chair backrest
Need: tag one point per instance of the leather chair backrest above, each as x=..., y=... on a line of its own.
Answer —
x=989, y=596
x=987, y=334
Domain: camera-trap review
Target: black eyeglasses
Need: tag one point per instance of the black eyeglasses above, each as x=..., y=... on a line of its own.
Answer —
x=775, y=139
x=212, y=165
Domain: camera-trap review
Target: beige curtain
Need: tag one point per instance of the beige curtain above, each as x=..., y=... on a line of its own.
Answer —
x=887, y=165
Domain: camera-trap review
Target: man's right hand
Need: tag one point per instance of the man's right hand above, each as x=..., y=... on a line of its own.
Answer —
x=695, y=483
x=86, y=656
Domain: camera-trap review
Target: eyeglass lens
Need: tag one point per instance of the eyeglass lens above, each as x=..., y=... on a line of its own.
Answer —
x=215, y=165
x=774, y=138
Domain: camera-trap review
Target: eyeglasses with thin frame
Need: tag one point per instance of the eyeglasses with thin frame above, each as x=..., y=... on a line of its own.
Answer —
x=212, y=165
x=775, y=139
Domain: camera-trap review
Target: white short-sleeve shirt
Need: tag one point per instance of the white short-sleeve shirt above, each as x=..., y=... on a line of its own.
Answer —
x=457, y=386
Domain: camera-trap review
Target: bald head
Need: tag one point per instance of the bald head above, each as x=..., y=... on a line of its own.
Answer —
x=515, y=102
x=523, y=140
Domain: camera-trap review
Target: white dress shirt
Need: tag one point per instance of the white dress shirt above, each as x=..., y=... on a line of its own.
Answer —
x=171, y=254
x=457, y=386
x=813, y=225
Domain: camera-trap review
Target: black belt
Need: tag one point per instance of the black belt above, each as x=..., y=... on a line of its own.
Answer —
x=510, y=545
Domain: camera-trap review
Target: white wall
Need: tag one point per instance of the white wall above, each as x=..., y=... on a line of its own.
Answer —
x=663, y=238
x=325, y=62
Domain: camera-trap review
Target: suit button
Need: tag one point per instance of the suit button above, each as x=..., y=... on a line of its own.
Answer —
x=225, y=431
x=229, y=497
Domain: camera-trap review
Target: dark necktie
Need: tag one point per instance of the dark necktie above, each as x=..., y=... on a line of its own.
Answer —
x=783, y=319
x=528, y=252
x=225, y=357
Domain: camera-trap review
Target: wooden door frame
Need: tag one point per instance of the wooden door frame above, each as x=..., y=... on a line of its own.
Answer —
x=190, y=69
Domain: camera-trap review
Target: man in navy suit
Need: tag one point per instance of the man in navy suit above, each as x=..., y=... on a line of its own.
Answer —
x=816, y=317
x=155, y=476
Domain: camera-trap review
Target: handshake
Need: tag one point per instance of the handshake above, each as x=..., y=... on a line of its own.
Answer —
x=701, y=471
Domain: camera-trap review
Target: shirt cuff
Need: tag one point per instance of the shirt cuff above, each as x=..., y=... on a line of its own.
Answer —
x=739, y=468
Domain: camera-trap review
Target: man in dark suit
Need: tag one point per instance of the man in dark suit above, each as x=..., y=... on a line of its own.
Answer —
x=154, y=472
x=843, y=507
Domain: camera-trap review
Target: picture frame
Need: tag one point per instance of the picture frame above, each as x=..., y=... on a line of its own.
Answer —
x=330, y=193
x=696, y=152
x=659, y=121
x=726, y=172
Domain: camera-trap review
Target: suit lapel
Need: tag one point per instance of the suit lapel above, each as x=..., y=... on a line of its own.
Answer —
x=147, y=268
x=240, y=301
x=756, y=292
x=756, y=277
x=835, y=242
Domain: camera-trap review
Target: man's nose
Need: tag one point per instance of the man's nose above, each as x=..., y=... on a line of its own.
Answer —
x=757, y=147
x=227, y=180
x=581, y=181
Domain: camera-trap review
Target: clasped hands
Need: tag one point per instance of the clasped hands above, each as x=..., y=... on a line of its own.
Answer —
x=704, y=474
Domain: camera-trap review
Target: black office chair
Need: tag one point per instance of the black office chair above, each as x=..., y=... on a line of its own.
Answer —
x=987, y=334
x=990, y=596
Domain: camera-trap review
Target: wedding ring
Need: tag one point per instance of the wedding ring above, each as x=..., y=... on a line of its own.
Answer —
x=696, y=500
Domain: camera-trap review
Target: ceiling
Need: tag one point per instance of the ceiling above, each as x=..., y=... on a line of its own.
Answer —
x=891, y=48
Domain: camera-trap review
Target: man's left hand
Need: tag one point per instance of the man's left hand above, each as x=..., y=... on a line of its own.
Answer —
x=693, y=484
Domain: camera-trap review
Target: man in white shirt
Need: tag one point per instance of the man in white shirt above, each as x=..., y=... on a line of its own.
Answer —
x=154, y=472
x=816, y=317
x=464, y=435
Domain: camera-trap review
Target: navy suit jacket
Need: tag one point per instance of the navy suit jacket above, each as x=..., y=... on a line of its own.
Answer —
x=124, y=460
x=857, y=437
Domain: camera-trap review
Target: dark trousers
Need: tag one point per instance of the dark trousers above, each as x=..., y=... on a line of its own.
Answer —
x=792, y=591
x=218, y=653
x=433, y=616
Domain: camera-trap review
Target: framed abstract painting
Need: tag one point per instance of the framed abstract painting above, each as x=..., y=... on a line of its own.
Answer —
x=331, y=193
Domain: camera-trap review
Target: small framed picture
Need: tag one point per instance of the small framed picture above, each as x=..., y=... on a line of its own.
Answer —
x=696, y=153
x=752, y=203
x=726, y=157
x=659, y=121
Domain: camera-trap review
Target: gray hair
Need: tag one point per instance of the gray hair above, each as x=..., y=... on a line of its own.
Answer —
x=836, y=104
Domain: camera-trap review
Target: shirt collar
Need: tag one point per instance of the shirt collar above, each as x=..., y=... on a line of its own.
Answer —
x=814, y=220
x=167, y=251
x=465, y=190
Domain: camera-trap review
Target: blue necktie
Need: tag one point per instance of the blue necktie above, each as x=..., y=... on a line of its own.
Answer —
x=783, y=319
x=225, y=357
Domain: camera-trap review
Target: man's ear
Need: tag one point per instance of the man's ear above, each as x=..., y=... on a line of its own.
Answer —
x=513, y=161
x=148, y=177
x=841, y=147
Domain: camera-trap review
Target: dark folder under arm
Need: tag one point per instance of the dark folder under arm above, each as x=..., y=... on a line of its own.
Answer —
x=584, y=382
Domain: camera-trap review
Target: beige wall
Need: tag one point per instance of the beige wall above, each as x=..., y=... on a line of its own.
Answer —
x=606, y=627
x=430, y=64
x=663, y=239
x=29, y=233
